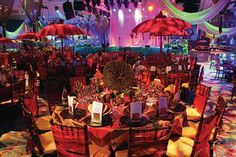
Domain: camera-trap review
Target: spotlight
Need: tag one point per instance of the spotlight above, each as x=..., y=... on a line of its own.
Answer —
x=126, y=3
x=150, y=8
x=114, y=10
x=56, y=8
x=112, y=3
x=129, y=10
x=121, y=17
x=135, y=4
x=94, y=3
x=107, y=4
x=119, y=4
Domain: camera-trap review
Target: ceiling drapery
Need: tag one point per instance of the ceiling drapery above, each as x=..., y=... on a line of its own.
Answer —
x=214, y=30
x=201, y=17
x=32, y=9
x=194, y=18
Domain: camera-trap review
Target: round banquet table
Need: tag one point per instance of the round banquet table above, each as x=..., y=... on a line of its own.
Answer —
x=116, y=131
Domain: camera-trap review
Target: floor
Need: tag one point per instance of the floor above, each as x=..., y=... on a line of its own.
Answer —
x=13, y=143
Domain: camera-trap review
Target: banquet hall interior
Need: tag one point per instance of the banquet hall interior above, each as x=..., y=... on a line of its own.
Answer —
x=118, y=78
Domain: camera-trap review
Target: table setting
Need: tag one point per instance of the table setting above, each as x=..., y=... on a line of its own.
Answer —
x=110, y=111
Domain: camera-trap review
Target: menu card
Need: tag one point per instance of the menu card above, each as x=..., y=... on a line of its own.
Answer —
x=96, y=114
x=163, y=106
x=71, y=104
x=168, y=69
x=135, y=111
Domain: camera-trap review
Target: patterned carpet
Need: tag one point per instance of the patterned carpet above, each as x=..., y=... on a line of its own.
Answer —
x=13, y=143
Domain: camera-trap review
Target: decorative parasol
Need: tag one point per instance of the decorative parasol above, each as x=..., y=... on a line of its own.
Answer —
x=163, y=26
x=60, y=30
x=5, y=40
x=28, y=35
x=118, y=76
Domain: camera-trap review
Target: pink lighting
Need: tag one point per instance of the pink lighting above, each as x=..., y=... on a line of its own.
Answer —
x=150, y=8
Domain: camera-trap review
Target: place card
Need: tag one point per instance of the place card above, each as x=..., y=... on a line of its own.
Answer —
x=168, y=69
x=180, y=68
x=135, y=111
x=163, y=106
x=71, y=104
x=153, y=68
x=96, y=114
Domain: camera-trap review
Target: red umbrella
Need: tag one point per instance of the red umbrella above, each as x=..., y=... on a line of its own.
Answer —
x=28, y=35
x=161, y=21
x=5, y=40
x=162, y=26
x=60, y=30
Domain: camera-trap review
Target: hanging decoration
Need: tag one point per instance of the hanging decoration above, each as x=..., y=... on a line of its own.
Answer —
x=5, y=11
x=13, y=35
x=214, y=30
x=32, y=9
x=194, y=18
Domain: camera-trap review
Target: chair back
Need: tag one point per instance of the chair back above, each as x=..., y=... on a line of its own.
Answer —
x=175, y=79
x=144, y=138
x=201, y=95
x=205, y=128
x=5, y=93
x=70, y=141
x=31, y=126
x=20, y=74
x=220, y=108
x=194, y=77
x=18, y=90
x=31, y=103
x=201, y=75
x=74, y=82
x=80, y=70
x=52, y=90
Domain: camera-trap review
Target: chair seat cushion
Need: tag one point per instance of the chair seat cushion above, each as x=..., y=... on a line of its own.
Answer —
x=181, y=147
x=191, y=132
x=43, y=123
x=96, y=151
x=192, y=114
x=47, y=142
